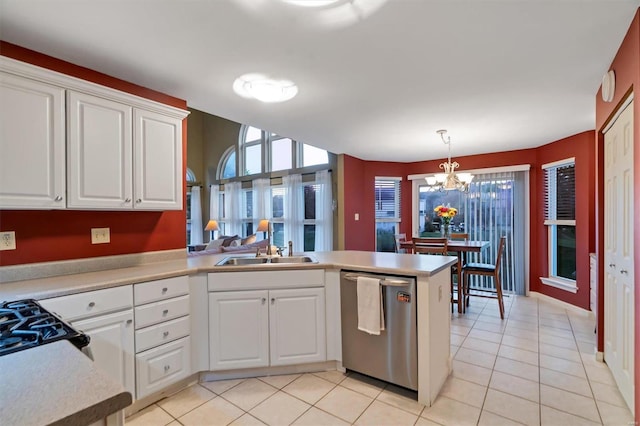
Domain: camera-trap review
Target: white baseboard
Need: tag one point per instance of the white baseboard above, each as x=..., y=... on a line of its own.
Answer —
x=568, y=306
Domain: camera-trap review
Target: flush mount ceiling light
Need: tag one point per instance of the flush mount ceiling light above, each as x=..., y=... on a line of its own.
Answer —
x=311, y=3
x=264, y=88
x=449, y=179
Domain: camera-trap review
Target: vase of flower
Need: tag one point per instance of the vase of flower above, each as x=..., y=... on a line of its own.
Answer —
x=445, y=213
x=444, y=230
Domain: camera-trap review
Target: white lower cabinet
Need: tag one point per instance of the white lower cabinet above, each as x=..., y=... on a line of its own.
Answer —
x=112, y=345
x=159, y=367
x=163, y=325
x=266, y=328
x=238, y=329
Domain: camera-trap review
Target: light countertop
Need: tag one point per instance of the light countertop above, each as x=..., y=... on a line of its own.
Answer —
x=55, y=286
x=56, y=384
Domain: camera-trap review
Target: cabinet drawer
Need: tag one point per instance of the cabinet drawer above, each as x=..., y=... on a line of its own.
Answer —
x=153, y=291
x=154, y=313
x=265, y=280
x=91, y=303
x=159, y=367
x=159, y=334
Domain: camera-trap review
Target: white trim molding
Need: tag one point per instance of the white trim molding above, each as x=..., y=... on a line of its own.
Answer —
x=564, y=305
x=504, y=169
x=23, y=69
x=562, y=284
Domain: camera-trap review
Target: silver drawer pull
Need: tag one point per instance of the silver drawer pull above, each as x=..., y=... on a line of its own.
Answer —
x=623, y=271
x=612, y=265
x=383, y=281
x=165, y=312
x=167, y=368
x=164, y=290
x=165, y=334
x=129, y=321
x=127, y=200
x=92, y=304
x=58, y=198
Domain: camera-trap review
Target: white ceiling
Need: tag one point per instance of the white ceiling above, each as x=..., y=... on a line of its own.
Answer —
x=376, y=78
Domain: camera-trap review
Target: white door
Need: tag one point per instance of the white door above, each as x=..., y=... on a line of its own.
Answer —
x=112, y=346
x=238, y=329
x=157, y=161
x=99, y=153
x=297, y=326
x=32, y=144
x=619, y=283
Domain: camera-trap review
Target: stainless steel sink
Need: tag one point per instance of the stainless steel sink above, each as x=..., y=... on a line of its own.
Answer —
x=236, y=261
x=293, y=259
x=239, y=261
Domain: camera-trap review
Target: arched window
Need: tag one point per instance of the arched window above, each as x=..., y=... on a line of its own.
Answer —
x=227, y=165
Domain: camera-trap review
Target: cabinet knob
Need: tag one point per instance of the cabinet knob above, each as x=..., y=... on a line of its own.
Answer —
x=264, y=299
x=612, y=265
x=138, y=201
x=127, y=200
x=129, y=321
x=167, y=368
x=623, y=271
x=92, y=304
x=273, y=300
x=58, y=198
x=164, y=290
x=165, y=334
x=165, y=312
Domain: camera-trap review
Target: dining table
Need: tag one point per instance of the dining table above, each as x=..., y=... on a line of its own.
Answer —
x=460, y=247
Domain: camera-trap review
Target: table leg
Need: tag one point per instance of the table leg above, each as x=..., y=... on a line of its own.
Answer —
x=460, y=289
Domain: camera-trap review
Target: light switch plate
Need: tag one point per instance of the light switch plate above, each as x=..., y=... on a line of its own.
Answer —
x=8, y=240
x=100, y=236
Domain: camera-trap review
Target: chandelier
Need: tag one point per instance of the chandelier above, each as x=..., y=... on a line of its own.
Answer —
x=449, y=179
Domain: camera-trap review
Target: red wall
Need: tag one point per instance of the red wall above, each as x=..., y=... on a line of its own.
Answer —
x=626, y=66
x=360, y=175
x=50, y=235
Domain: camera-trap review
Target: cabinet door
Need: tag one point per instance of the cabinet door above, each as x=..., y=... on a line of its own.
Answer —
x=157, y=161
x=297, y=326
x=238, y=329
x=32, y=144
x=112, y=345
x=99, y=153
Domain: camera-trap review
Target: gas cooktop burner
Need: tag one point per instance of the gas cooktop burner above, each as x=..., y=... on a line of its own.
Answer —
x=25, y=324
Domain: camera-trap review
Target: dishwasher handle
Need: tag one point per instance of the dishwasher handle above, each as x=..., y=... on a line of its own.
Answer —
x=386, y=282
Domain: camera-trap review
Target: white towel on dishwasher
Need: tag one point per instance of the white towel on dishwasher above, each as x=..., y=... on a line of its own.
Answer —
x=370, y=306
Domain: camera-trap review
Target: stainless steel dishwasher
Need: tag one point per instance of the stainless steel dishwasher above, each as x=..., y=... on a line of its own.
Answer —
x=393, y=355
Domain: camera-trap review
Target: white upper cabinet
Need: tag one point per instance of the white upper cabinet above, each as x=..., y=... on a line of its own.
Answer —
x=99, y=152
x=32, y=144
x=158, y=161
x=122, y=151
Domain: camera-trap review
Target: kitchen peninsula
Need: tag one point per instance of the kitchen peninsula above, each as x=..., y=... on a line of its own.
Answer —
x=180, y=292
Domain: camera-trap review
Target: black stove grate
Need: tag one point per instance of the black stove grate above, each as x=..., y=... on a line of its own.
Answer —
x=25, y=324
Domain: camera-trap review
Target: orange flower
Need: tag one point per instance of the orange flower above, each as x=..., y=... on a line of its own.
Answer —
x=446, y=213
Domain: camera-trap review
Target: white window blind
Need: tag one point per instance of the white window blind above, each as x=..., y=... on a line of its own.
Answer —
x=387, y=198
x=559, y=192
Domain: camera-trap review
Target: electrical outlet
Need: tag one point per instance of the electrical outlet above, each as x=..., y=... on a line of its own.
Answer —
x=8, y=240
x=100, y=236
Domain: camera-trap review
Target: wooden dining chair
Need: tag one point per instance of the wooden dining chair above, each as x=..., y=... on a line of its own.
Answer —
x=400, y=238
x=487, y=270
x=457, y=236
x=430, y=246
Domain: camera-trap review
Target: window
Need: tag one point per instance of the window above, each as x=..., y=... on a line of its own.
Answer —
x=387, y=210
x=561, y=224
x=494, y=206
x=227, y=166
x=247, y=212
x=262, y=152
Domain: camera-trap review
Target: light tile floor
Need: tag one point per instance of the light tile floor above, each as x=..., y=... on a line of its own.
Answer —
x=535, y=367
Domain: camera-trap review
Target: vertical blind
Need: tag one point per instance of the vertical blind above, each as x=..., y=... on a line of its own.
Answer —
x=559, y=191
x=387, y=198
